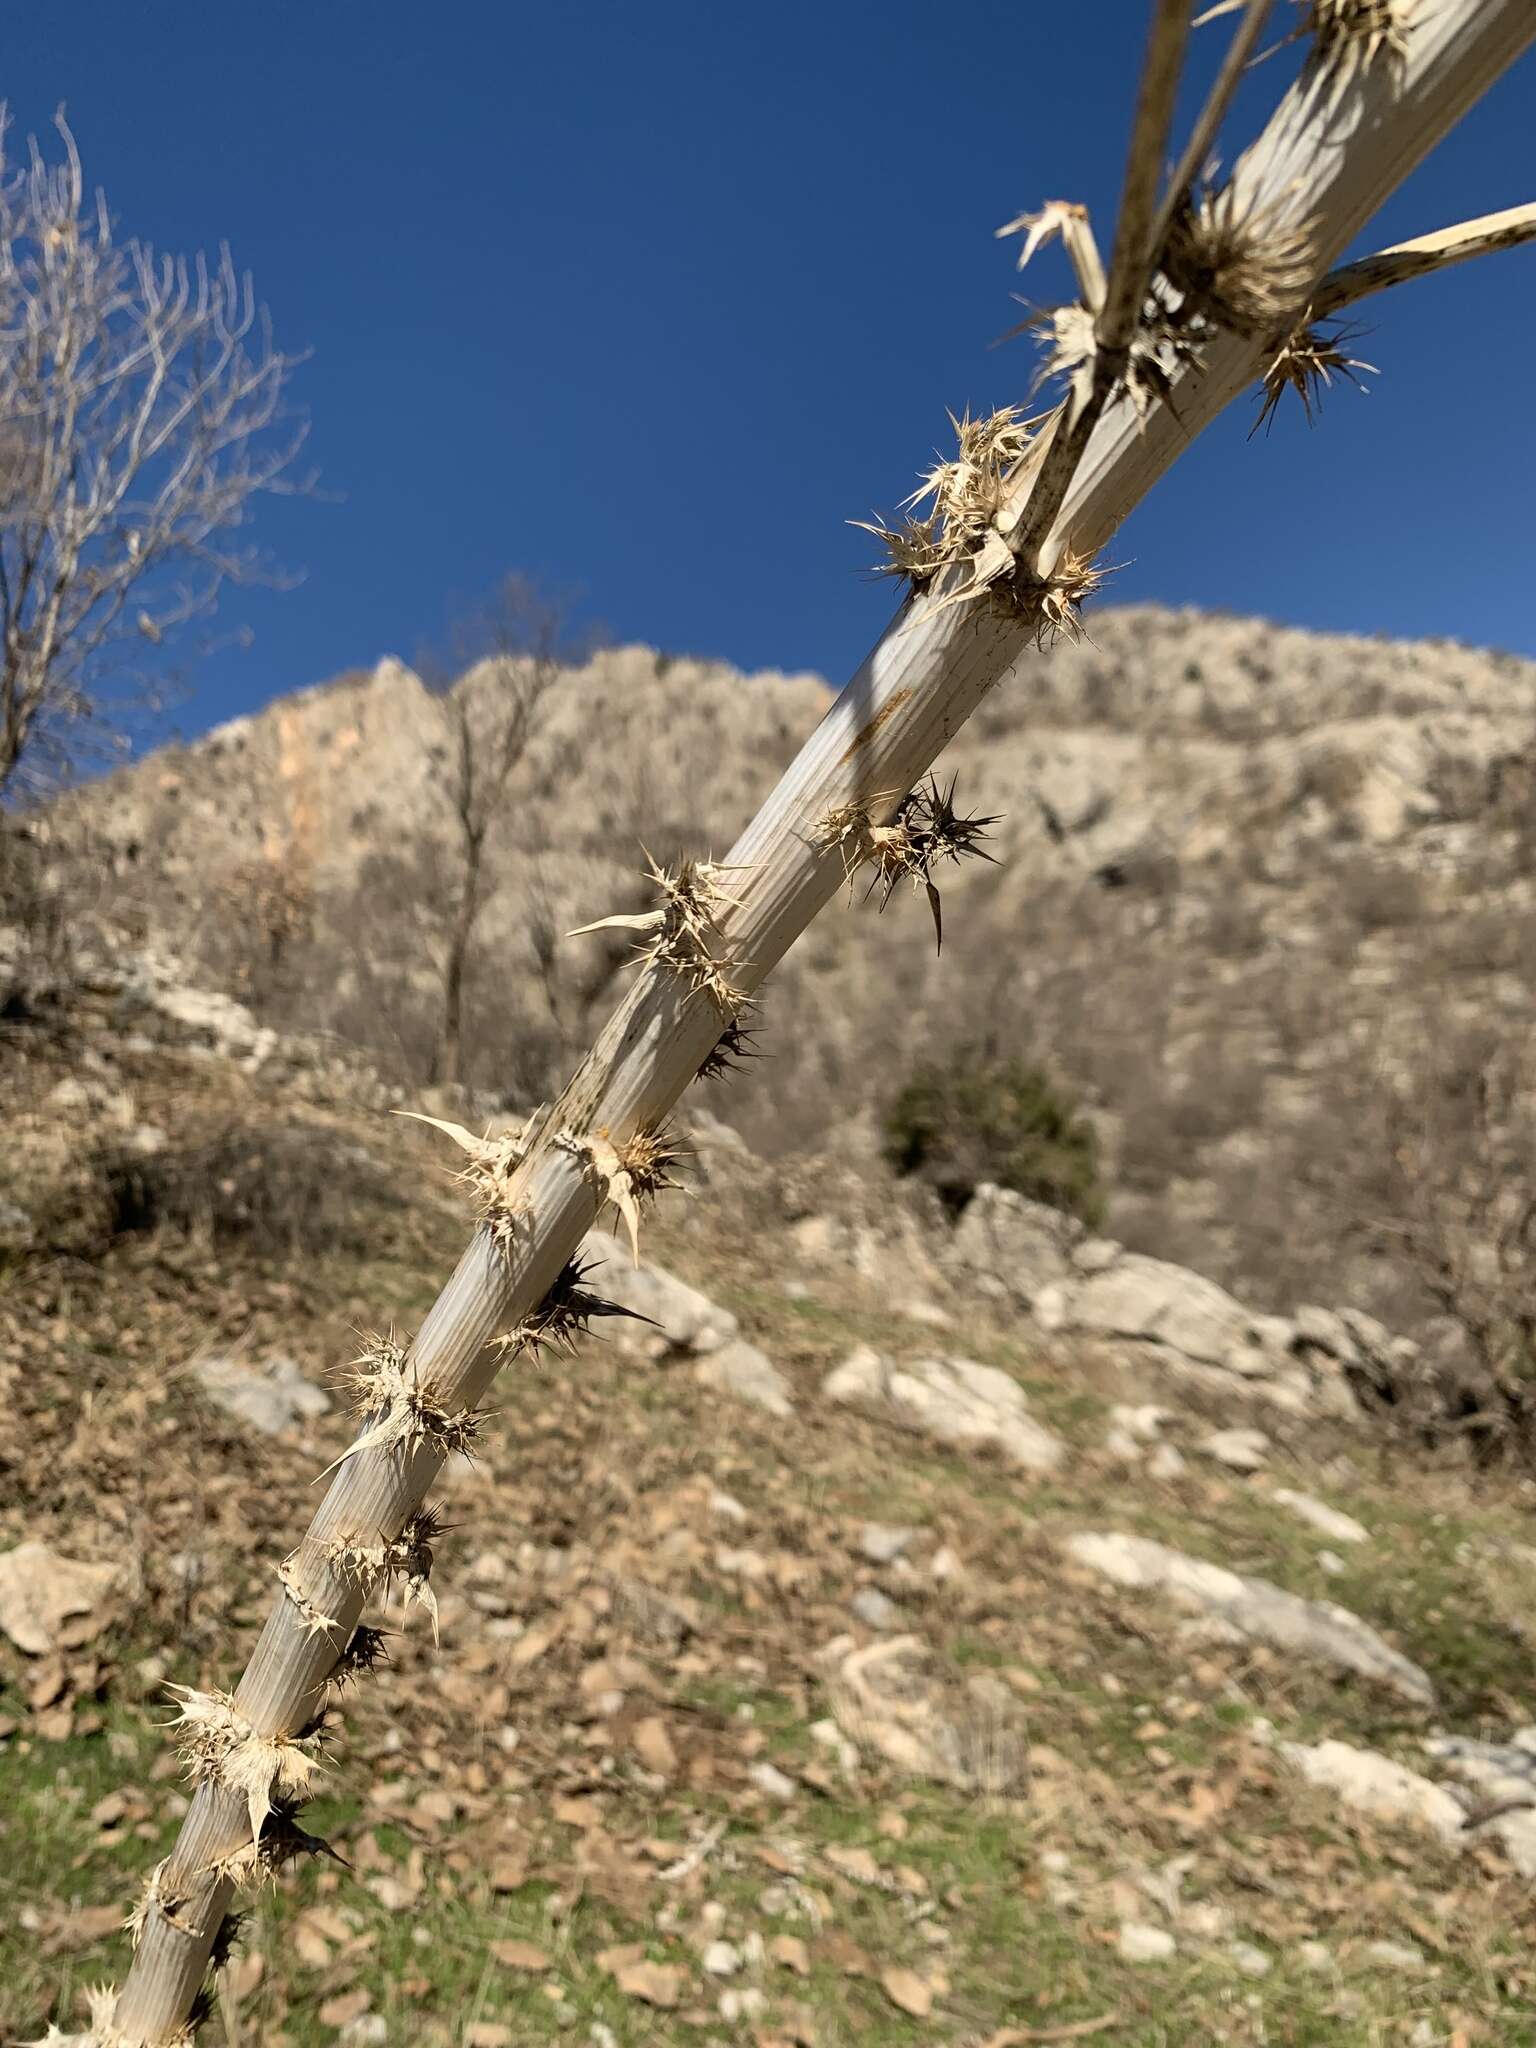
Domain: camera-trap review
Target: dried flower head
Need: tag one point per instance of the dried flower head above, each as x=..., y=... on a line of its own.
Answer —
x=1160, y=350
x=734, y=1045
x=924, y=831
x=218, y=1743
x=399, y=1412
x=102, y=2030
x=684, y=928
x=1351, y=37
x=565, y=1314
x=1052, y=604
x=967, y=494
x=404, y=1561
x=1238, y=266
x=913, y=549
x=493, y=1161
x=630, y=1173
x=1307, y=362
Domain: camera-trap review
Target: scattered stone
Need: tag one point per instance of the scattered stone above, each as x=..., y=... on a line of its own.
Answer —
x=882, y=1544
x=1397, y=1955
x=1250, y=1960
x=739, y=1368
x=721, y=1959
x=1143, y=1943
x=956, y=1400
x=1316, y=1629
x=876, y=1609
x=890, y=1697
x=1143, y=1422
x=49, y=1602
x=1167, y=1463
x=1240, y=1450
x=746, y=2004
x=768, y=1778
x=1327, y=1521
x=1505, y=1772
x=904, y=1988
x=726, y=1506
x=944, y=1565
x=1331, y=1562
x=1374, y=1784
x=1314, y=1955
x=272, y=1397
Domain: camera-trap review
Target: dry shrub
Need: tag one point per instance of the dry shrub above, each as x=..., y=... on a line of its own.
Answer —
x=276, y=1191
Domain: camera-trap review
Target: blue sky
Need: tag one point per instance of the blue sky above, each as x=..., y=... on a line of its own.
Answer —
x=650, y=301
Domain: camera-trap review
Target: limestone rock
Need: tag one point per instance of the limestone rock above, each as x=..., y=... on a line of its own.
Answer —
x=271, y=1397
x=1327, y=1521
x=1374, y=1784
x=956, y=1400
x=1240, y=1450
x=739, y=1368
x=1007, y=1248
x=1316, y=1629
x=49, y=1602
x=892, y=1697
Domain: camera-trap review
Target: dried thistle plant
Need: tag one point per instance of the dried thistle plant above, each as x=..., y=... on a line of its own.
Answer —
x=565, y=1315
x=685, y=926
x=1240, y=267
x=1307, y=362
x=493, y=1160
x=217, y=1742
x=924, y=832
x=635, y=1171
x=363, y=1655
x=402, y=1414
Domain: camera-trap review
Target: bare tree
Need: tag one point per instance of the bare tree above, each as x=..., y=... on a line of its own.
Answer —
x=141, y=412
x=492, y=712
x=1459, y=1136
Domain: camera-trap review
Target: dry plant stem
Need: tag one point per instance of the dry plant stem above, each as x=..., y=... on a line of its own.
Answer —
x=924, y=678
x=1129, y=275
x=1418, y=258
x=1206, y=129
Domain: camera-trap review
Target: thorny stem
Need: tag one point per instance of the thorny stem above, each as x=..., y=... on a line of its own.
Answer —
x=927, y=674
x=1129, y=276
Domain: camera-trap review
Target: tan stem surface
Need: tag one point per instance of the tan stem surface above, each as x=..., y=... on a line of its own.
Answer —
x=1330, y=159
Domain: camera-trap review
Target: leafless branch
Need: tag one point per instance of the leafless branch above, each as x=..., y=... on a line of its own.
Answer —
x=141, y=413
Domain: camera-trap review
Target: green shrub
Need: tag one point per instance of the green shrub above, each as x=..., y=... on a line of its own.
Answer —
x=975, y=1117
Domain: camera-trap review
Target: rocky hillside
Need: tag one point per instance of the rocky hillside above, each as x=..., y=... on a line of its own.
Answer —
x=1258, y=889
x=976, y=1635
